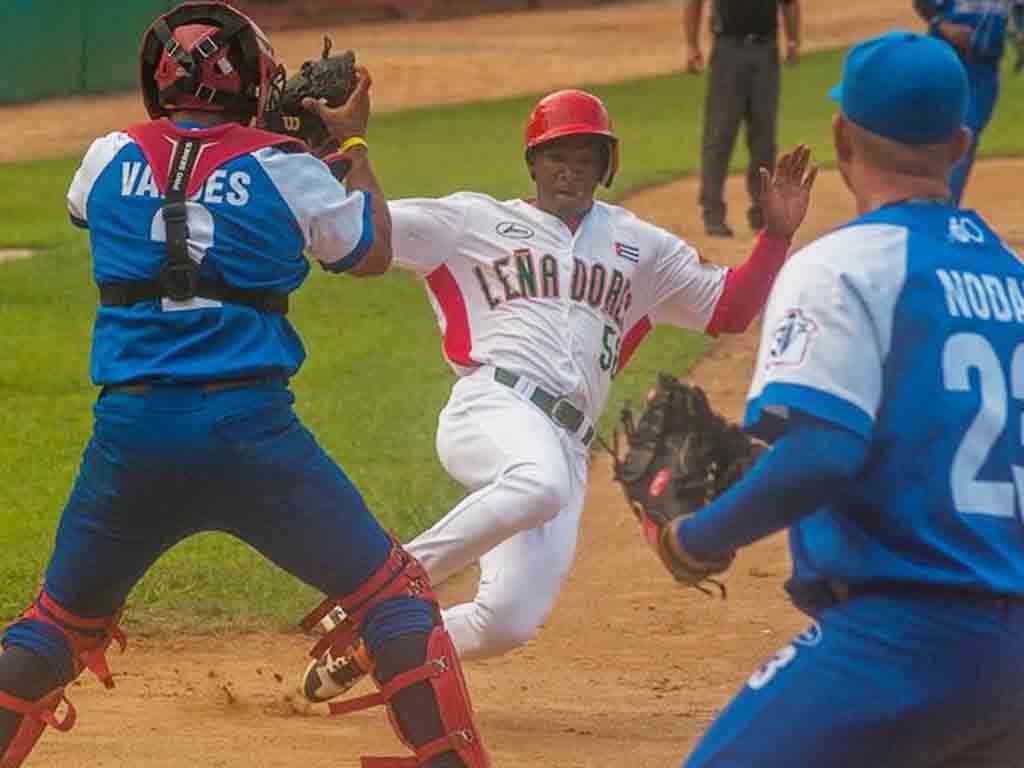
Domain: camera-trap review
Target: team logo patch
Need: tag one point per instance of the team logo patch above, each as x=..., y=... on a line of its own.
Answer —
x=628, y=252
x=514, y=230
x=791, y=339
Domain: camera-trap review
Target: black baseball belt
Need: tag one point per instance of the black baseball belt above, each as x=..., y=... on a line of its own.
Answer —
x=558, y=409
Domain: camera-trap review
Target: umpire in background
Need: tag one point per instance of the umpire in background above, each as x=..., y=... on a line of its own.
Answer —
x=743, y=84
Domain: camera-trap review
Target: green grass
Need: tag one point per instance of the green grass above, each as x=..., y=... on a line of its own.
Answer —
x=375, y=379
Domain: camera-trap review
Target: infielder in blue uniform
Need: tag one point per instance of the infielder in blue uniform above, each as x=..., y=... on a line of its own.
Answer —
x=890, y=382
x=976, y=29
x=198, y=225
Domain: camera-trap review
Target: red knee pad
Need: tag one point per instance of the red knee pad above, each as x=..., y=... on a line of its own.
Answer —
x=400, y=575
x=88, y=638
x=36, y=716
x=444, y=673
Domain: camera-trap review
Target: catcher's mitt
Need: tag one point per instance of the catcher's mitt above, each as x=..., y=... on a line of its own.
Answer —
x=678, y=457
x=332, y=78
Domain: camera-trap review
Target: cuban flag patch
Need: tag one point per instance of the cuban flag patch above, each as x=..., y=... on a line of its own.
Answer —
x=628, y=252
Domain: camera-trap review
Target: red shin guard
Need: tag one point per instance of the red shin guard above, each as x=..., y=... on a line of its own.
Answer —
x=401, y=574
x=36, y=715
x=444, y=673
x=88, y=638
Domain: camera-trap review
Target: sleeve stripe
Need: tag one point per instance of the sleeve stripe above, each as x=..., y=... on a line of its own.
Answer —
x=80, y=223
x=365, y=240
x=814, y=402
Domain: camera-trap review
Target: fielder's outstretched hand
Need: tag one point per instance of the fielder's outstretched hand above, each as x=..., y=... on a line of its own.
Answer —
x=786, y=193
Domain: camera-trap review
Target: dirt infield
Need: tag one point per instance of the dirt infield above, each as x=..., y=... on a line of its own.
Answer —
x=627, y=665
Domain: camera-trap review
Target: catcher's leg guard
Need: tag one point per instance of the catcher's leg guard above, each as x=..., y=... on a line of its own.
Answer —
x=430, y=721
x=88, y=638
x=30, y=694
x=339, y=657
x=419, y=675
x=30, y=691
x=35, y=716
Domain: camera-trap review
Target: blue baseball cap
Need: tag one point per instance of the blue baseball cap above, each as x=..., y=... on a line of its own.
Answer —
x=906, y=87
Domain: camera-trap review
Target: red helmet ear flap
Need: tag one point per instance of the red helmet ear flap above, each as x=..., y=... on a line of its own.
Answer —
x=569, y=113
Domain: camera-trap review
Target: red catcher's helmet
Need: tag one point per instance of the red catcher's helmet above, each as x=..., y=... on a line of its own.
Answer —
x=207, y=56
x=572, y=113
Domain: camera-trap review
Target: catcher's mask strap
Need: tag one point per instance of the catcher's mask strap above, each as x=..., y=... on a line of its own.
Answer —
x=229, y=26
x=173, y=47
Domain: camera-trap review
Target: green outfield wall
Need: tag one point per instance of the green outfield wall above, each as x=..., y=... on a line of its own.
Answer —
x=61, y=47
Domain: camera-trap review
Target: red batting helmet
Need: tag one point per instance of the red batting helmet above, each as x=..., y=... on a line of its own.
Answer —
x=571, y=113
x=207, y=56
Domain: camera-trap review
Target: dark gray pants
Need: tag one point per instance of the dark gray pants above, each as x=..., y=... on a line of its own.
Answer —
x=743, y=85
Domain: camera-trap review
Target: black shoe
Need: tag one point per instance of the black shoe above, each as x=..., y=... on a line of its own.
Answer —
x=755, y=216
x=717, y=229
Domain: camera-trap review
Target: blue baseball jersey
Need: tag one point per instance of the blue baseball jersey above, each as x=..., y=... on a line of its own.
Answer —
x=988, y=19
x=906, y=327
x=250, y=223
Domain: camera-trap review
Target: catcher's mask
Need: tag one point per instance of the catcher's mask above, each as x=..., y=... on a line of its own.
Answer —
x=571, y=113
x=209, y=57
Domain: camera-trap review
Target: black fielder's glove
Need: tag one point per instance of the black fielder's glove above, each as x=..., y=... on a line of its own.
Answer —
x=332, y=78
x=679, y=456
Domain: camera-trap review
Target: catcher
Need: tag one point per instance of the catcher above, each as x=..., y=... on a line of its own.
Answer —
x=679, y=456
x=198, y=223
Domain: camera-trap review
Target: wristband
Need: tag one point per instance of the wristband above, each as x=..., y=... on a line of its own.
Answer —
x=355, y=141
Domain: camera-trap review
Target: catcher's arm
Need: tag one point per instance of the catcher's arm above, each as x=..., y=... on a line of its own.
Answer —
x=347, y=124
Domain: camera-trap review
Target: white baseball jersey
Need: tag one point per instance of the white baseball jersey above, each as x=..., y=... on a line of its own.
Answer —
x=512, y=286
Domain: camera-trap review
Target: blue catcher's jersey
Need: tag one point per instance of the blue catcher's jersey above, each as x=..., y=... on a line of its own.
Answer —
x=988, y=19
x=249, y=223
x=906, y=327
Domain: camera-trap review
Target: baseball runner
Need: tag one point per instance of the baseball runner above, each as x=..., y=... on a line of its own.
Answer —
x=198, y=224
x=541, y=302
x=890, y=377
x=976, y=29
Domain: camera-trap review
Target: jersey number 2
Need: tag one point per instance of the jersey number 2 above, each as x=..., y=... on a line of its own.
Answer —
x=962, y=353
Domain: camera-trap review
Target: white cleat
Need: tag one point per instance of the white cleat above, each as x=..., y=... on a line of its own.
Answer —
x=330, y=676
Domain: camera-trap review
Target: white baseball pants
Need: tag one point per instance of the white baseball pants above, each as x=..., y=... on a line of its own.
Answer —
x=528, y=481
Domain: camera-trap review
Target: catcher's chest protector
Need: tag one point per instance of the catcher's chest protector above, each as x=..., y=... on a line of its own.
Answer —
x=221, y=144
